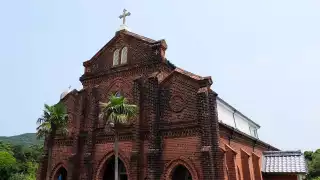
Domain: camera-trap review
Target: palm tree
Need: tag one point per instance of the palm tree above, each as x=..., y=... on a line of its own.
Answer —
x=117, y=112
x=53, y=120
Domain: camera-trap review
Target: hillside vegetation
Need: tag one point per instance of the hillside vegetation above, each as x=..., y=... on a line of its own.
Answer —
x=26, y=139
x=19, y=161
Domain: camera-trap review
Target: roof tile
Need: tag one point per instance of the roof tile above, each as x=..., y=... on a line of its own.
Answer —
x=284, y=162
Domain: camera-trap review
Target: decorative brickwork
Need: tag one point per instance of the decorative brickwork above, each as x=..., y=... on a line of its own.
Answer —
x=136, y=161
x=54, y=172
x=169, y=167
x=154, y=151
x=207, y=157
x=101, y=165
x=177, y=124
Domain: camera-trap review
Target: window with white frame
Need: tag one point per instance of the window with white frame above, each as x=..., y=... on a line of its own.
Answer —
x=124, y=53
x=116, y=57
x=253, y=131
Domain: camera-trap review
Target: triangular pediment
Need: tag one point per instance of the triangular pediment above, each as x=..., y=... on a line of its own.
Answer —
x=139, y=49
x=119, y=40
x=178, y=72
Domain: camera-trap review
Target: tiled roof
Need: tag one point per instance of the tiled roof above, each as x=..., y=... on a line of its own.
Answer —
x=283, y=162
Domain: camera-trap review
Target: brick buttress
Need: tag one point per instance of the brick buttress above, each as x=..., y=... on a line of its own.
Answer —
x=154, y=169
x=136, y=160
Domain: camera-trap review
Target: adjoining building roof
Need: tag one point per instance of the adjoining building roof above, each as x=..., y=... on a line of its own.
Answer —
x=283, y=162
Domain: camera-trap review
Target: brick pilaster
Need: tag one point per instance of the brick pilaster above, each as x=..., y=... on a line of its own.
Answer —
x=90, y=137
x=256, y=167
x=217, y=159
x=222, y=154
x=77, y=146
x=154, y=149
x=73, y=161
x=83, y=135
x=136, y=159
x=245, y=164
x=231, y=163
x=206, y=134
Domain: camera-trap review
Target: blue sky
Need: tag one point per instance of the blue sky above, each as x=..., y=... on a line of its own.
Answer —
x=263, y=56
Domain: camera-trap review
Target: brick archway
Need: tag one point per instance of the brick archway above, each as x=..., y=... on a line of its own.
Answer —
x=170, y=167
x=56, y=169
x=101, y=166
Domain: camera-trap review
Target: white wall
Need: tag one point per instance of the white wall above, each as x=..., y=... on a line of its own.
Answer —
x=228, y=115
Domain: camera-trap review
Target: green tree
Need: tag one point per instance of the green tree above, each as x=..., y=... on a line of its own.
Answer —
x=313, y=161
x=19, y=152
x=115, y=113
x=35, y=152
x=21, y=176
x=52, y=122
x=6, y=147
x=7, y=165
x=18, y=176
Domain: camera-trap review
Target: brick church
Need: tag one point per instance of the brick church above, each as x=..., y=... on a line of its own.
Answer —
x=184, y=130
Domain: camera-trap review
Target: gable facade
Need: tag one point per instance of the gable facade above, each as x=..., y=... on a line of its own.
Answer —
x=176, y=134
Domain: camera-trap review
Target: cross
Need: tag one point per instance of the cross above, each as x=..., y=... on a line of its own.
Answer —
x=124, y=15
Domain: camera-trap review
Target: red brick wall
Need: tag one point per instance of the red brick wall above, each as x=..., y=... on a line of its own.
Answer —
x=60, y=155
x=231, y=163
x=256, y=163
x=246, y=165
x=238, y=142
x=104, y=151
x=185, y=150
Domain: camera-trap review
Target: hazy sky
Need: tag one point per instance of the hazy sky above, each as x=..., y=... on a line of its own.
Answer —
x=263, y=55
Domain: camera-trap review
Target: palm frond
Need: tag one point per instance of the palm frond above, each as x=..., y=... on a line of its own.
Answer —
x=130, y=110
x=40, y=120
x=117, y=110
x=47, y=108
x=63, y=130
x=104, y=105
x=43, y=130
x=122, y=119
x=53, y=117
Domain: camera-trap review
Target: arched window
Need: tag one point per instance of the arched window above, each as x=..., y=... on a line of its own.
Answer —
x=116, y=57
x=181, y=173
x=109, y=170
x=61, y=174
x=124, y=53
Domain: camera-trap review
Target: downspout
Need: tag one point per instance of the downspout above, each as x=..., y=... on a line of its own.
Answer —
x=231, y=136
x=234, y=119
x=254, y=144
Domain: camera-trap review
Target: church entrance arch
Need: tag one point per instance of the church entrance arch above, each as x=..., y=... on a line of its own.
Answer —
x=180, y=172
x=61, y=174
x=108, y=173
